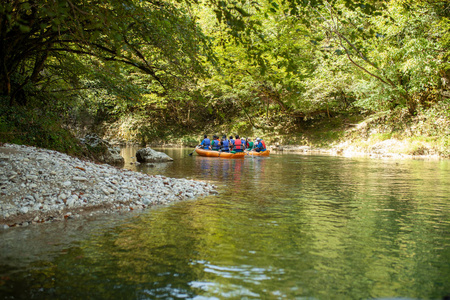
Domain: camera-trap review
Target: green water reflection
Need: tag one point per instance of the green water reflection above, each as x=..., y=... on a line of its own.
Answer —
x=285, y=227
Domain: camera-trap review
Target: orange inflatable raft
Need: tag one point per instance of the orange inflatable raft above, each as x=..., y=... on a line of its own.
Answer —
x=211, y=153
x=264, y=153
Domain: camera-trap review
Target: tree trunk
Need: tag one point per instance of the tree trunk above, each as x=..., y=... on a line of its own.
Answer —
x=411, y=105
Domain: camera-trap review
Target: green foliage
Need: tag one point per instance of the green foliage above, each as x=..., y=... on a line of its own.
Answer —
x=32, y=128
x=159, y=40
x=381, y=136
x=179, y=67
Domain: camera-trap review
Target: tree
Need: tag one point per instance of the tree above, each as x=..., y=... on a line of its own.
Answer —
x=158, y=38
x=393, y=47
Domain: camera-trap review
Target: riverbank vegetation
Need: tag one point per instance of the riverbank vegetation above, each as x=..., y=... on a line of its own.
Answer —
x=330, y=73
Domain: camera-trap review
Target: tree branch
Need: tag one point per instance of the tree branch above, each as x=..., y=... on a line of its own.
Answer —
x=361, y=67
x=341, y=37
x=141, y=67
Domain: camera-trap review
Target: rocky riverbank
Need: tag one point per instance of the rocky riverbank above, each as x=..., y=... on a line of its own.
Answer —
x=38, y=185
x=391, y=148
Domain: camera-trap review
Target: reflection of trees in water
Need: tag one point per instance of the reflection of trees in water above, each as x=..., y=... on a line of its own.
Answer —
x=385, y=209
x=129, y=154
x=301, y=226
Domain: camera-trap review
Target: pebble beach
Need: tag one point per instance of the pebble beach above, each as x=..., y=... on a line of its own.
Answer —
x=39, y=185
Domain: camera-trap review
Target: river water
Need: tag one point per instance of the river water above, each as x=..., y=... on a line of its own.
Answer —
x=284, y=227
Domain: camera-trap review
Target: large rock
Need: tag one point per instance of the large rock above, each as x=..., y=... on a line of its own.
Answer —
x=103, y=150
x=148, y=155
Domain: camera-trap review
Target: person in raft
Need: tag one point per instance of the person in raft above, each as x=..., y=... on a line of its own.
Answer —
x=215, y=144
x=206, y=143
x=231, y=142
x=250, y=145
x=225, y=144
x=244, y=143
x=238, y=145
x=260, y=145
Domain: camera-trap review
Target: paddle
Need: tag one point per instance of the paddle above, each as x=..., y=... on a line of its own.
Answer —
x=190, y=154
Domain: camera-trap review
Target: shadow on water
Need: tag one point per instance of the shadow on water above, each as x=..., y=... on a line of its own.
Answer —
x=283, y=227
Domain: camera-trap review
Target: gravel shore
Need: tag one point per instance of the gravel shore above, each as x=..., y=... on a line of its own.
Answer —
x=39, y=185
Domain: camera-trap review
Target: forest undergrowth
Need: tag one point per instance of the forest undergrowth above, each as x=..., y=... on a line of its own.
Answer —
x=396, y=131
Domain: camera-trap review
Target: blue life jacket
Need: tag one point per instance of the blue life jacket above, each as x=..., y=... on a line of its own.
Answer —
x=244, y=143
x=261, y=147
x=225, y=145
x=205, y=143
x=215, y=145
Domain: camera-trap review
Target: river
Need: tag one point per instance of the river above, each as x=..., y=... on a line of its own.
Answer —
x=285, y=227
